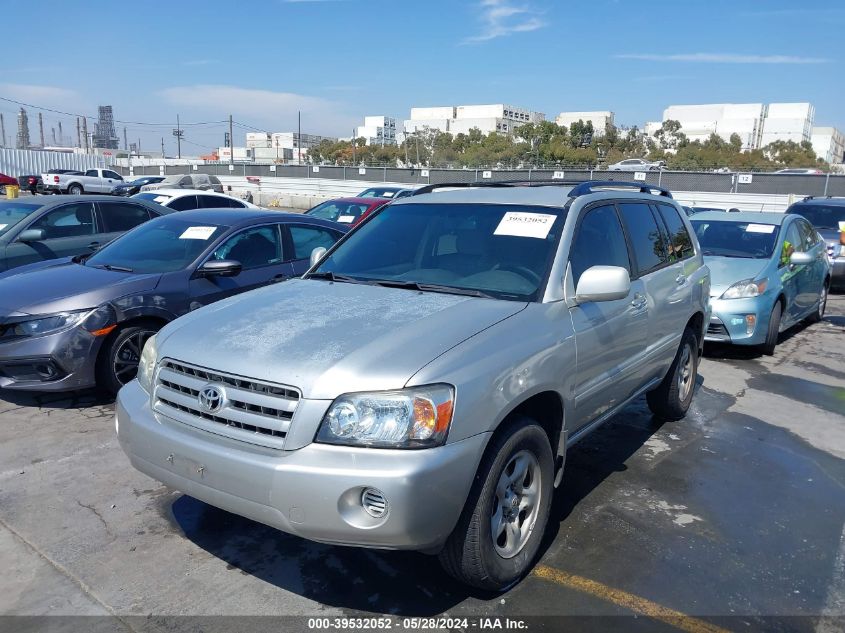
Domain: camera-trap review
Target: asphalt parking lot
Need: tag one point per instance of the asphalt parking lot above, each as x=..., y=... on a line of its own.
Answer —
x=729, y=520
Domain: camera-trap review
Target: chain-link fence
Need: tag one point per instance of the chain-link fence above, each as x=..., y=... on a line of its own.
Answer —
x=784, y=184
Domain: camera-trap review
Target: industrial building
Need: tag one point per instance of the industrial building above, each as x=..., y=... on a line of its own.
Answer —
x=377, y=130
x=275, y=147
x=828, y=144
x=756, y=124
x=461, y=119
x=600, y=120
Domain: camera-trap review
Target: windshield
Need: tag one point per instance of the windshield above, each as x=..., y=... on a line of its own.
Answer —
x=338, y=211
x=13, y=212
x=820, y=216
x=162, y=245
x=378, y=192
x=736, y=239
x=503, y=251
x=153, y=196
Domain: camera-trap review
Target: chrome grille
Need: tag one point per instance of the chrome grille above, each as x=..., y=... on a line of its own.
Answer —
x=251, y=411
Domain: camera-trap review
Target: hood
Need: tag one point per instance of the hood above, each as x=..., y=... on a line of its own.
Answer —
x=65, y=287
x=726, y=271
x=329, y=338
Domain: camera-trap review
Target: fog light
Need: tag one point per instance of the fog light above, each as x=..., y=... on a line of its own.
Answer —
x=374, y=502
x=750, y=323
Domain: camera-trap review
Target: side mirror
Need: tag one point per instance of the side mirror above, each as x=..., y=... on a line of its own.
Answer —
x=317, y=254
x=31, y=235
x=220, y=268
x=603, y=283
x=800, y=259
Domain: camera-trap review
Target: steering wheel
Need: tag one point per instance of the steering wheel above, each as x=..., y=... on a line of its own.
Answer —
x=522, y=271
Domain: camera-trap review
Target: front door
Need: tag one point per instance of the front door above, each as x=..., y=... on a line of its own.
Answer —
x=610, y=336
x=68, y=230
x=259, y=250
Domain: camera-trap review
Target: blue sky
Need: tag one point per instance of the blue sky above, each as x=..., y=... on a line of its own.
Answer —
x=338, y=60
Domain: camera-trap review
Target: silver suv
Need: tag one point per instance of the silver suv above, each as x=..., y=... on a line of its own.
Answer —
x=420, y=386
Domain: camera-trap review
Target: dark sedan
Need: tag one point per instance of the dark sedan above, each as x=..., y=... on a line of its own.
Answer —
x=32, y=230
x=130, y=188
x=83, y=321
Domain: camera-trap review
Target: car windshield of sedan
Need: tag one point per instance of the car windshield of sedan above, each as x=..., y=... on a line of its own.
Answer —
x=379, y=192
x=162, y=245
x=488, y=250
x=736, y=239
x=13, y=212
x=343, y=212
x=821, y=216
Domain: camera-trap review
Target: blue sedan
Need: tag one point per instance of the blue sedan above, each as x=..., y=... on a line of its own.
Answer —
x=768, y=271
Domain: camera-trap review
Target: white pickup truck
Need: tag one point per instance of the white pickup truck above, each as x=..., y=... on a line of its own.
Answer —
x=92, y=181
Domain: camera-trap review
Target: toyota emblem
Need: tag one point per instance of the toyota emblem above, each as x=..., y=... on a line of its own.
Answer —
x=211, y=398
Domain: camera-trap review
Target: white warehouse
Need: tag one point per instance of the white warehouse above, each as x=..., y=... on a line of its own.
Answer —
x=461, y=119
x=600, y=120
x=377, y=130
x=829, y=144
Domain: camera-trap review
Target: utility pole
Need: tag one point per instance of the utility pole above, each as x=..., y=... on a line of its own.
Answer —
x=2, y=130
x=178, y=134
x=41, y=128
x=231, y=143
x=125, y=142
x=417, y=139
x=61, y=135
x=299, y=137
x=85, y=132
x=53, y=130
x=354, y=162
x=78, y=134
x=162, y=147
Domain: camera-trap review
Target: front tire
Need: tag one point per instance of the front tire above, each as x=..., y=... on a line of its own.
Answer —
x=768, y=348
x=118, y=360
x=500, y=529
x=672, y=398
x=818, y=315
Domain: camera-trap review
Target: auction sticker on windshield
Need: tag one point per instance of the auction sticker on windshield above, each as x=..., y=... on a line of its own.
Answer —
x=525, y=224
x=3, y=226
x=161, y=198
x=345, y=218
x=760, y=228
x=197, y=233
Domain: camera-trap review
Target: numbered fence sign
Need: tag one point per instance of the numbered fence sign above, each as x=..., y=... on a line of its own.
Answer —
x=272, y=168
x=231, y=167
x=558, y=175
x=744, y=179
x=487, y=174
x=315, y=168
x=639, y=175
x=424, y=173
x=362, y=170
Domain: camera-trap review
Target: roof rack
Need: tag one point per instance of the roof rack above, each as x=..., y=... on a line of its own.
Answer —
x=587, y=187
x=579, y=187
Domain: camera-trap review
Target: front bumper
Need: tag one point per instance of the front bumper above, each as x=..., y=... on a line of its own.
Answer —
x=313, y=492
x=728, y=320
x=64, y=361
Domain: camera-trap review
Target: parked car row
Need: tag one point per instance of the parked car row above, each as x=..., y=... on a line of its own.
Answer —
x=444, y=353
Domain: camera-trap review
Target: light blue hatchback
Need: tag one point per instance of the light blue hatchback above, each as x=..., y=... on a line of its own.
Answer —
x=768, y=272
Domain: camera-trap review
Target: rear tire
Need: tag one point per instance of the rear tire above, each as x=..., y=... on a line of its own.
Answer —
x=672, y=398
x=118, y=361
x=75, y=190
x=818, y=315
x=768, y=348
x=500, y=529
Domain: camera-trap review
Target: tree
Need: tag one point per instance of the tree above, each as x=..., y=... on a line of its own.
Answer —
x=670, y=136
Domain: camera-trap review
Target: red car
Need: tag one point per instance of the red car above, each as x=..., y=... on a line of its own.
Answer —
x=349, y=211
x=7, y=180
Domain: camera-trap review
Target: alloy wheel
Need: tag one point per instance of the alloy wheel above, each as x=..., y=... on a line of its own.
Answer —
x=128, y=356
x=516, y=504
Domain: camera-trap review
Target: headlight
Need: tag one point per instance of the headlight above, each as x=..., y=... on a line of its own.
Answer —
x=147, y=364
x=44, y=325
x=745, y=289
x=417, y=417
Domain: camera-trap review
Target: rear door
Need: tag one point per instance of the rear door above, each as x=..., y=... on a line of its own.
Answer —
x=813, y=276
x=667, y=298
x=301, y=239
x=118, y=217
x=259, y=250
x=110, y=180
x=610, y=336
x=69, y=229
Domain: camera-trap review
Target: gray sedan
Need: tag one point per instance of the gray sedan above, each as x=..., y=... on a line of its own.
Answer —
x=37, y=229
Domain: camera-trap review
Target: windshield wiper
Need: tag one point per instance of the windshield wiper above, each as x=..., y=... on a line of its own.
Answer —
x=332, y=277
x=423, y=287
x=119, y=269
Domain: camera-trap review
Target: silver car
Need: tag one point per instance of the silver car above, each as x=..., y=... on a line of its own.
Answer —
x=420, y=386
x=637, y=164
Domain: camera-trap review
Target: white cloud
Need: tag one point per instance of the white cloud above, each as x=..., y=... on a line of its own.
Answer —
x=39, y=95
x=502, y=17
x=724, y=58
x=274, y=111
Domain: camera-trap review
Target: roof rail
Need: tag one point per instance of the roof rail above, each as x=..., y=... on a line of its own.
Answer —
x=587, y=187
x=461, y=185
